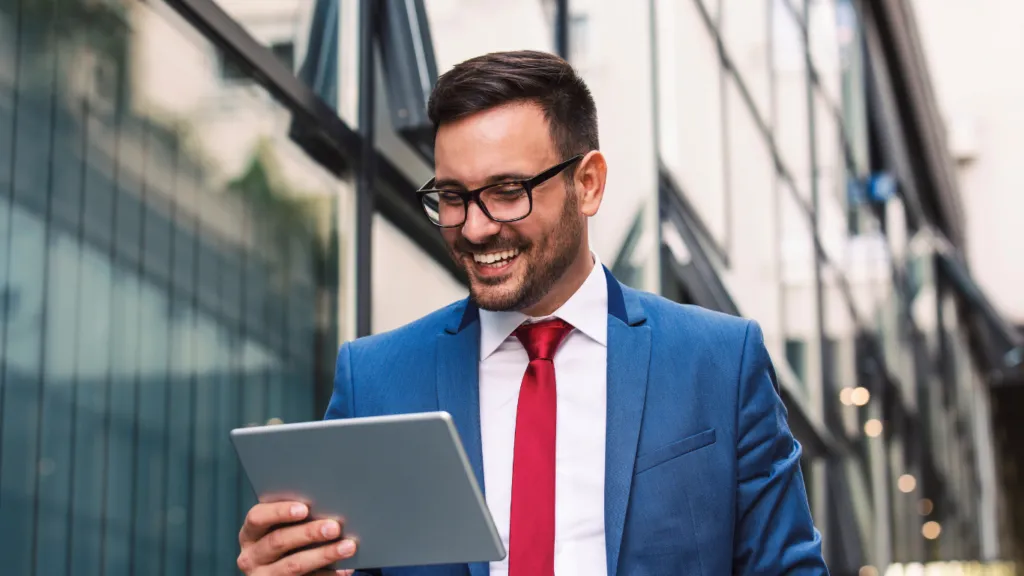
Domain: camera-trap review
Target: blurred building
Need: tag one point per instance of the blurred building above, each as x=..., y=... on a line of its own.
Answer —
x=200, y=199
x=978, y=90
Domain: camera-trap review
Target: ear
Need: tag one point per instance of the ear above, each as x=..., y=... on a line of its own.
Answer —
x=591, y=173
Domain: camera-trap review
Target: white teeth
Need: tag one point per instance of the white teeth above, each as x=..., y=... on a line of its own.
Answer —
x=495, y=257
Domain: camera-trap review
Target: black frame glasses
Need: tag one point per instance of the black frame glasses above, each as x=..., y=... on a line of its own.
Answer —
x=429, y=196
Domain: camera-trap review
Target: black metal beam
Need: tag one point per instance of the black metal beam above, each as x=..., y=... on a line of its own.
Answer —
x=319, y=129
x=367, y=170
x=562, y=28
x=397, y=203
x=410, y=71
x=919, y=115
x=327, y=138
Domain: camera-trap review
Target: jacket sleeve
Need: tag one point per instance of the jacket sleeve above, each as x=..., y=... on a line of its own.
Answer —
x=342, y=404
x=774, y=530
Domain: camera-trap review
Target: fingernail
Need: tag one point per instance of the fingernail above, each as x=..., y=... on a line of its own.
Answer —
x=330, y=529
x=347, y=548
x=298, y=510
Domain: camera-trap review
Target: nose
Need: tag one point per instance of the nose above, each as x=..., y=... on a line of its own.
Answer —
x=478, y=227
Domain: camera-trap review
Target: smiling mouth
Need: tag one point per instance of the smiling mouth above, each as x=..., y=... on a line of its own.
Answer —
x=495, y=260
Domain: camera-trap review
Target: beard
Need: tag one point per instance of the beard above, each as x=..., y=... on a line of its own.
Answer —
x=543, y=262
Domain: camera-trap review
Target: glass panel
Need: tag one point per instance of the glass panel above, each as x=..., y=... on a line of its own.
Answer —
x=283, y=26
x=462, y=29
x=712, y=7
x=691, y=131
x=853, y=90
x=798, y=294
x=792, y=132
x=823, y=33
x=753, y=274
x=832, y=181
x=397, y=264
x=744, y=29
x=844, y=392
x=168, y=236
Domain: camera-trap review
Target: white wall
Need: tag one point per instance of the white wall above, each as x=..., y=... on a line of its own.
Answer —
x=973, y=51
x=617, y=67
x=407, y=283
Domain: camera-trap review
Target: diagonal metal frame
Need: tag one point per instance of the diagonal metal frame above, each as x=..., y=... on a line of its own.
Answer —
x=325, y=136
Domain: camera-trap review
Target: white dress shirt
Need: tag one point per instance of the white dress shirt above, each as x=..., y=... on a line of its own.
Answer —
x=580, y=376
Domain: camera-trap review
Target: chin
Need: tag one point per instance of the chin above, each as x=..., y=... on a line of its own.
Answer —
x=496, y=298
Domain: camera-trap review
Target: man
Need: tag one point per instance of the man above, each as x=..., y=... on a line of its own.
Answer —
x=614, y=432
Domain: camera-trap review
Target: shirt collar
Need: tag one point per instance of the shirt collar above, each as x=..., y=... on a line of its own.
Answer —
x=586, y=310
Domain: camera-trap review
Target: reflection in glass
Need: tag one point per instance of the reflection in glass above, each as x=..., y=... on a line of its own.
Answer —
x=166, y=255
x=853, y=99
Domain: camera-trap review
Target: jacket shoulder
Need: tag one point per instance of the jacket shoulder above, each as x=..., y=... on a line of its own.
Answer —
x=421, y=331
x=693, y=321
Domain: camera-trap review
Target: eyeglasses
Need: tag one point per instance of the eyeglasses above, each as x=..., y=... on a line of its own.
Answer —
x=502, y=202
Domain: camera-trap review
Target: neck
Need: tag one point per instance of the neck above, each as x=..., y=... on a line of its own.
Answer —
x=566, y=286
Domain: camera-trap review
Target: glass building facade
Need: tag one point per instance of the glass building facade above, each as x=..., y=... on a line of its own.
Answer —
x=198, y=199
x=170, y=264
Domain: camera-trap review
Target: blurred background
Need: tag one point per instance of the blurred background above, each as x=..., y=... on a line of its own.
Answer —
x=201, y=199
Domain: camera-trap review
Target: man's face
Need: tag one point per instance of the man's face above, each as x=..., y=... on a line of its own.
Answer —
x=510, y=265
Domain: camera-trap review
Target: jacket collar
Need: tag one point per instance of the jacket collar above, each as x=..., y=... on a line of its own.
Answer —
x=623, y=304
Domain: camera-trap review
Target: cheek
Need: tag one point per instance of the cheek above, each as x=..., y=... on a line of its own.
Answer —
x=450, y=235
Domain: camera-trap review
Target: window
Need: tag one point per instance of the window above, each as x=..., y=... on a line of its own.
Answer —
x=791, y=115
x=691, y=133
x=798, y=292
x=232, y=71
x=796, y=355
x=285, y=52
x=176, y=269
x=579, y=37
x=744, y=28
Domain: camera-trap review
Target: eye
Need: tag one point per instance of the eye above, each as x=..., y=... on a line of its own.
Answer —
x=511, y=190
x=449, y=197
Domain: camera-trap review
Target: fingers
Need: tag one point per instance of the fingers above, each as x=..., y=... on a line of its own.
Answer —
x=282, y=541
x=263, y=517
x=314, y=559
x=334, y=573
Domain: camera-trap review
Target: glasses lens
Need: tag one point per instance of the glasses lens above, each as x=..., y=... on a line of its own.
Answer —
x=505, y=203
x=444, y=209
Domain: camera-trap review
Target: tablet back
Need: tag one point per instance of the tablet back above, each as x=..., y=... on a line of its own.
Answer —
x=402, y=485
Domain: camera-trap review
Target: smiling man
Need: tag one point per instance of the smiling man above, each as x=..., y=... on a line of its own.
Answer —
x=614, y=432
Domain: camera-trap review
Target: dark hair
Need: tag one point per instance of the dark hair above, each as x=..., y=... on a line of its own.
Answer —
x=499, y=78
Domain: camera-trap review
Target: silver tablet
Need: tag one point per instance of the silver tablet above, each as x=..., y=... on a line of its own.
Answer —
x=402, y=485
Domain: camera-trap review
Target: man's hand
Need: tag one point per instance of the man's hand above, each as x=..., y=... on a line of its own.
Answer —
x=278, y=540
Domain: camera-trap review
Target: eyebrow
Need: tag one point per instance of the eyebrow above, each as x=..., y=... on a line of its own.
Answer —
x=494, y=179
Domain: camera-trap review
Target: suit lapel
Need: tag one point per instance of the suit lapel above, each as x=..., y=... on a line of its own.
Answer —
x=629, y=354
x=458, y=389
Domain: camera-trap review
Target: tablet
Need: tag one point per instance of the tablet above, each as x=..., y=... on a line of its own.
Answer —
x=402, y=485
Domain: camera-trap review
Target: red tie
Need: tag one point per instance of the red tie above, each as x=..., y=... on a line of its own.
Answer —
x=532, y=526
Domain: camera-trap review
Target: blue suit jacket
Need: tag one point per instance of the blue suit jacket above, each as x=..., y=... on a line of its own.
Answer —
x=702, y=474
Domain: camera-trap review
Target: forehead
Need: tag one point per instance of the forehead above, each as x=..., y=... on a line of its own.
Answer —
x=513, y=138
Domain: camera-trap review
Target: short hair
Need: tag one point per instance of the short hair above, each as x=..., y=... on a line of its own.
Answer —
x=500, y=78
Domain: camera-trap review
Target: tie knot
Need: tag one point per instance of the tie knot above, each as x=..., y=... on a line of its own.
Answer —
x=541, y=339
